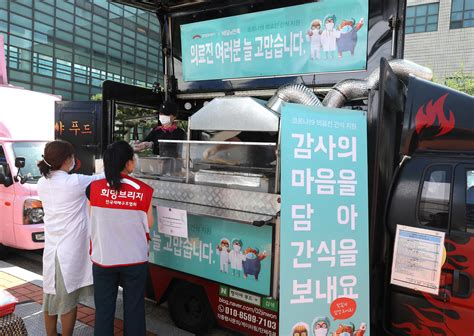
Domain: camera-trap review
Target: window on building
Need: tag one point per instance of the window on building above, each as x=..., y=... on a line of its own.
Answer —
x=13, y=55
x=422, y=18
x=63, y=69
x=42, y=64
x=462, y=14
x=81, y=74
x=435, y=197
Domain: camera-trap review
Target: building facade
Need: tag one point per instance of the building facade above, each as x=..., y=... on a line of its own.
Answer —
x=440, y=35
x=69, y=47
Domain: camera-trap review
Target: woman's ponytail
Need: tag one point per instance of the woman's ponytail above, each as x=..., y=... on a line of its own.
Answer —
x=116, y=157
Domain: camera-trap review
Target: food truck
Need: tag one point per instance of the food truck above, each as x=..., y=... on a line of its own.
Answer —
x=26, y=124
x=300, y=183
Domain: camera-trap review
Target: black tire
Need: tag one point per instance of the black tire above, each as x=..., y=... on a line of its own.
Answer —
x=4, y=252
x=189, y=308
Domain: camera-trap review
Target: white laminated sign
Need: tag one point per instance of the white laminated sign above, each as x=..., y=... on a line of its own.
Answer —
x=173, y=222
x=417, y=259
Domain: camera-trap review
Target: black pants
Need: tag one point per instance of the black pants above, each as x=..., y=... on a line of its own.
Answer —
x=106, y=282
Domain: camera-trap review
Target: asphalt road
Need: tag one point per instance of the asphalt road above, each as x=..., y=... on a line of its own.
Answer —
x=158, y=318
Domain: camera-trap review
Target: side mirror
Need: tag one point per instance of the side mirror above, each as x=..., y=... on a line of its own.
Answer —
x=20, y=162
x=5, y=178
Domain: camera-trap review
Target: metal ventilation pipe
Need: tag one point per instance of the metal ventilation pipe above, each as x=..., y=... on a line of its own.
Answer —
x=350, y=89
x=295, y=93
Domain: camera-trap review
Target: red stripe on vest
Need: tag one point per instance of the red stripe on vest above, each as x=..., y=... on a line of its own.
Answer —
x=133, y=195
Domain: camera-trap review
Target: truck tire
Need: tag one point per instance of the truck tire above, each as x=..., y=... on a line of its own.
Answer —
x=4, y=252
x=189, y=308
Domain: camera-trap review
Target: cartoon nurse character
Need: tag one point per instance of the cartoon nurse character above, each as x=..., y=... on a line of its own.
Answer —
x=300, y=329
x=329, y=35
x=345, y=330
x=252, y=262
x=321, y=326
x=314, y=37
x=236, y=257
x=348, y=38
x=223, y=252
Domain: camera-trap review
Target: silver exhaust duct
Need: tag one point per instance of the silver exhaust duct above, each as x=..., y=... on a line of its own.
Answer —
x=294, y=93
x=350, y=89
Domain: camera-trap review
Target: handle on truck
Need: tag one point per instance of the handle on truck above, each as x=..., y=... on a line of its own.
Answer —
x=462, y=284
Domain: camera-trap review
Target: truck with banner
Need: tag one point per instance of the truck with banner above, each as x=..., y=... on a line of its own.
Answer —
x=324, y=183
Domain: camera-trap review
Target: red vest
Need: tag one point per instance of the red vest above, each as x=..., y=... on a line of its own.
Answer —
x=119, y=221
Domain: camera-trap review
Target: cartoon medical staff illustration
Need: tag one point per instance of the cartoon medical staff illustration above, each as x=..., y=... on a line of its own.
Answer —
x=361, y=330
x=300, y=329
x=223, y=251
x=236, y=257
x=347, y=41
x=252, y=262
x=314, y=37
x=329, y=36
x=345, y=330
x=321, y=326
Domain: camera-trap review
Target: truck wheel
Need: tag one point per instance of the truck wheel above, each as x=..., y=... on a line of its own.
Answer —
x=4, y=251
x=189, y=308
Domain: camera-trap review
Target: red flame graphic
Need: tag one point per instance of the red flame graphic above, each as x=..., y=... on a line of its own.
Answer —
x=458, y=322
x=428, y=118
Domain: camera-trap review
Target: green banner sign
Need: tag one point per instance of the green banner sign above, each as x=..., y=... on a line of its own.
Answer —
x=325, y=36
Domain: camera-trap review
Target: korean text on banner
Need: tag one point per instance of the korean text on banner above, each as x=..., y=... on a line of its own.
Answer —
x=324, y=272
x=316, y=37
x=220, y=250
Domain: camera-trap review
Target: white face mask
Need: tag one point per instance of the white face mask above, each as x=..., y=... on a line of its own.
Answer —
x=165, y=120
x=73, y=164
x=320, y=332
x=237, y=248
x=330, y=25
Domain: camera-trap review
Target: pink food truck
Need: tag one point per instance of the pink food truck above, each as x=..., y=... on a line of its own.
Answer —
x=26, y=124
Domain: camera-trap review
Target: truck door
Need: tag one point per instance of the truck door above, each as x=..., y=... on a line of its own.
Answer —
x=422, y=198
x=460, y=254
x=7, y=195
x=78, y=123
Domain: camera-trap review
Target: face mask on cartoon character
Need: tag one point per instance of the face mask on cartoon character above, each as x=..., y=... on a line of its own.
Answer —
x=237, y=247
x=330, y=25
x=346, y=29
x=320, y=332
x=251, y=256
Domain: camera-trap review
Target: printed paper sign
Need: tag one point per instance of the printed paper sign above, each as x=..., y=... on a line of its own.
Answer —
x=224, y=251
x=324, y=36
x=417, y=259
x=324, y=267
x=173, y=222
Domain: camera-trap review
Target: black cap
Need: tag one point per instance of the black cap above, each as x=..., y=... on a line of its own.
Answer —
x=168, y=107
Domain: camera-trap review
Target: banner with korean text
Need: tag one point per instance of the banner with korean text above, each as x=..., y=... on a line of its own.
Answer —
x=220, y=250
x=317, y=37
x=324, y=272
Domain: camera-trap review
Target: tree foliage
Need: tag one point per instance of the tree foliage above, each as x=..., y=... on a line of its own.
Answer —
x=461, y=81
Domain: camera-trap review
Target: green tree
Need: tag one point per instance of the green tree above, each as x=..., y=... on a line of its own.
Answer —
x=461, y=81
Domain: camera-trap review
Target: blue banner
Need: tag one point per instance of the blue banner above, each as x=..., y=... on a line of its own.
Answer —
x=324, y=272
x=227, y=252
x=317, y=37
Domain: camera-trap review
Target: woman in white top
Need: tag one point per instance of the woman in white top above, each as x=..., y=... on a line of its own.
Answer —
x=67, y=269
